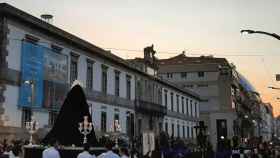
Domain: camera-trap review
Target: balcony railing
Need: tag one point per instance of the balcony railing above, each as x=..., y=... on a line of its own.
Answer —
x=150, y=108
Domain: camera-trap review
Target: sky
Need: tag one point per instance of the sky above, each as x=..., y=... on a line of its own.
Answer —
x=200, y=27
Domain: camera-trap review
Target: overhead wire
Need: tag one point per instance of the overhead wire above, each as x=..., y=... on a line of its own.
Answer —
x=241, y=54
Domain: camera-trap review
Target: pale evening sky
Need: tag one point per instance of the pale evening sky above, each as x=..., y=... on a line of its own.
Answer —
x=197, y=26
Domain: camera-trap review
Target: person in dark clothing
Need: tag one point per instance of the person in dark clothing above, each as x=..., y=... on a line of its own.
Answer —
x=156, y=152
x=255, y=154
x=209, y=152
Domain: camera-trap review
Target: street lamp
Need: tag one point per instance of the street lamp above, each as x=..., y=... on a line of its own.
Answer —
x=32, y=85
x=276, y=88
x=274, y=35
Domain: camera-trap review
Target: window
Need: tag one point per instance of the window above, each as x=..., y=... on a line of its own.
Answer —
x=116, y=117
x=89, y=81
x=52, y=117
x=151, y=124
x=128, y=87
x=160, y=126
x=103, y=121
x=184, y=134
x=159, y=96
x=172, y=102
x=166, y=127
x=191, y=106
x=139, y=126
x=172, y=130
x=183, y=75
x=104, y=79
x=188, y=132
x=131, y=124
x=178, y=130
x=187, y=106
x=165, y=97
x=128, y=123
x=177, y=103
x=74, y=67
x=183, y=105
x=200, y=74
x=139, y=89
x=192, y=132
x=169, y=75
x=117, y=83
x=195, y=109
x=26, y=116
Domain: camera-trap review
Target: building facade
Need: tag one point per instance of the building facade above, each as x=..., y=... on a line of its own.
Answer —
x=109, y=86
x=39, y=63
x=219, y=85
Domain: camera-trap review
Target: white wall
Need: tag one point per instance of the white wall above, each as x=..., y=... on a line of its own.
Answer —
x=110, y=112
x=192, y=76
x=12, y=114
x=182, y=123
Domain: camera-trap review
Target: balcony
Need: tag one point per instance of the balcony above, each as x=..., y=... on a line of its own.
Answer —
x=150, y=108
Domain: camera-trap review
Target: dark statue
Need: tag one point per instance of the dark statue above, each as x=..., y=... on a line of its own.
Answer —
x=73, y=110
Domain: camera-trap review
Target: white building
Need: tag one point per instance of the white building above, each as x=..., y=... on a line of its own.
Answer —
x=33, y=50
x=94, y=67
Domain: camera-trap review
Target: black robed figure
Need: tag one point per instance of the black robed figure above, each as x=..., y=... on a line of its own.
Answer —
x=73, y=110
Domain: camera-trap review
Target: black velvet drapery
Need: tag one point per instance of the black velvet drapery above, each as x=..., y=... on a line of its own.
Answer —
x=73, y=110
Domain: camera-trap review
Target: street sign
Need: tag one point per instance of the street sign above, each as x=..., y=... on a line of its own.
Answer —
x=277, y=77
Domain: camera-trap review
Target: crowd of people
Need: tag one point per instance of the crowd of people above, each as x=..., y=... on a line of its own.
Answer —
x=52, y=151
x=12, y=149
x=164, y=148
x=246, y=150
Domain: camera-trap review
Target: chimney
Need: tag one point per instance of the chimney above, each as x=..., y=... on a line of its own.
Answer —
x=48, y=18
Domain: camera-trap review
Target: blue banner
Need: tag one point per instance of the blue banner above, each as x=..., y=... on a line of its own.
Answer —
x=32, y=66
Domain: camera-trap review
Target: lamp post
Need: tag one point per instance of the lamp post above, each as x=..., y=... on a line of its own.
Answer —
x=201, y=137
x=32, y=126
x=275, y=88
x=32, y=85
x=274, y=35
x=85, y=128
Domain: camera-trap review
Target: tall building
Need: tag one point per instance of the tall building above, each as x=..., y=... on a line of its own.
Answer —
x=218, y=84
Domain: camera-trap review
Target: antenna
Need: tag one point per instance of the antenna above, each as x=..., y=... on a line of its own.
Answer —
x=47, y=18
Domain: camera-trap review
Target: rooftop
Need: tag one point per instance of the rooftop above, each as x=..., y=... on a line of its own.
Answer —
x=182, y=59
